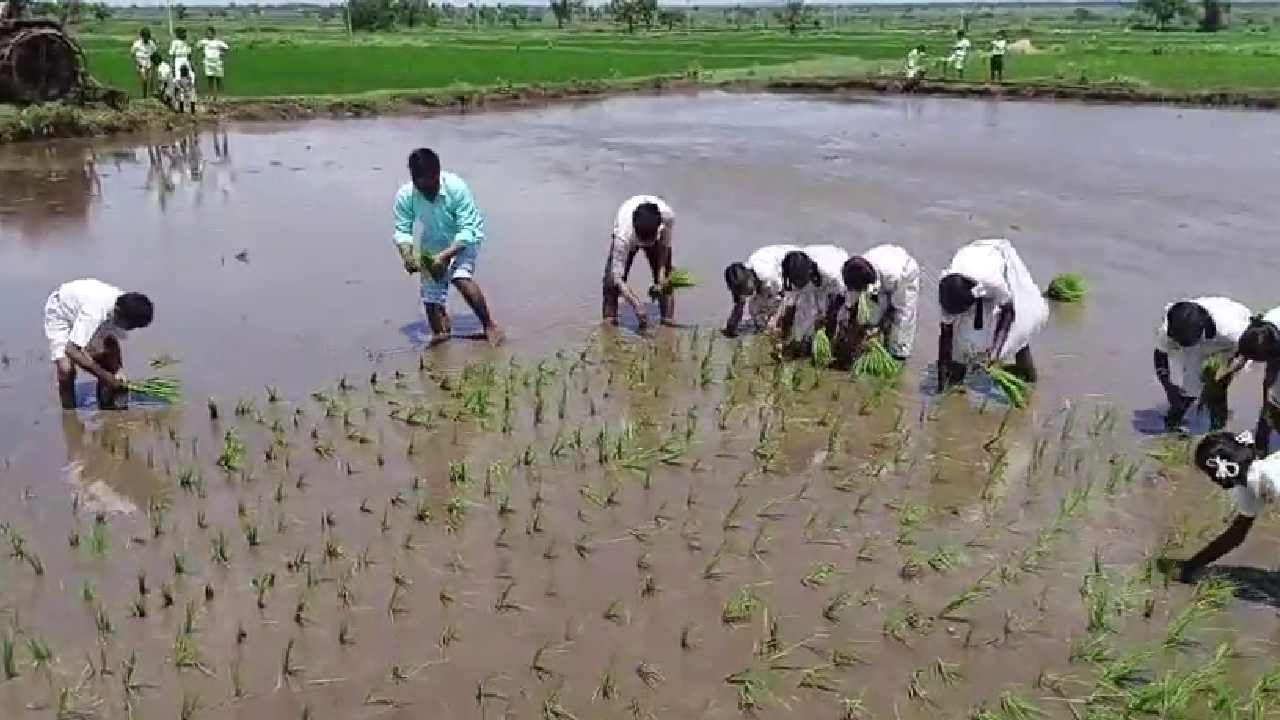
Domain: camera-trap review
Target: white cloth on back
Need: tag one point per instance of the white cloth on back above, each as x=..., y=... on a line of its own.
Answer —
x=1261, y=486
x=80, y=312
x=896, y=288
x=1001, y=278
x=766, y=263
x=1230, y=320
x=811, y=301
x=624, y=234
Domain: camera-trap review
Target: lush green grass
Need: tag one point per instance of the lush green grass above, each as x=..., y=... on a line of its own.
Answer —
x=274, y=57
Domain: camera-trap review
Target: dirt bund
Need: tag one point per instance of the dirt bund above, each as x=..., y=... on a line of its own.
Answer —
x=58, y=121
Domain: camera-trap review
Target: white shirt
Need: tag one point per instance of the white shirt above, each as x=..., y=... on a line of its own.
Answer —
x=999, y=46
x=85, y=307
x=892, y=265
x=913, y=59
x=766, y=263
x=961, y=48
x=812, y=300
x=1002, y=278
x=1230, y=319
x=624, y=234
x=212, y=48
x=1261, y=486
x=164, y=72
x=143, y=50
x=179, y=49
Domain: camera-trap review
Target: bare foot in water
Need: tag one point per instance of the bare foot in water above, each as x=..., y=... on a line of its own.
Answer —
x=494, y=335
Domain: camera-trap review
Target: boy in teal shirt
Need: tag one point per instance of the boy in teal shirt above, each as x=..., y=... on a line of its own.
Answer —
x=452, y=233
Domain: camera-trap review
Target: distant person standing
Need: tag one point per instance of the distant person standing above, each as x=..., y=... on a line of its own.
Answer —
x=142, y=50
x=960, y=54
x=184, y=90
x=915, y=66
x=211, y=48
x=180, y=52
x=999, y=48
x=645, y=222
x=452, y=234
x=163, y=82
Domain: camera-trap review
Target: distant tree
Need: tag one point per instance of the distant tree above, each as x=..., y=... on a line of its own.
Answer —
x=626, y=12
x=671, y=18
x=564, y=11
x=101, y=11
x=1211, y=20
x=327, y=13
x=371, y=15
x=794, y=15
x=69, y=11
x=1162, y=11
x=408, y=11
x=1082, y=14
x=180, y=12
x=512, y=15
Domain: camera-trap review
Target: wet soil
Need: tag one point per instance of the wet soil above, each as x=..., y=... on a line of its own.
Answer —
x=559, y=527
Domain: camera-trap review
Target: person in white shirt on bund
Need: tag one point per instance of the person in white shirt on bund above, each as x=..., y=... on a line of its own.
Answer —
x=813, y=291
x=1192, y=333
x=85, y=321
x=645, y=222
x=999, y=48
x=180, y=52
x=891, y=279
x=1235, y=464
x=212, y=48
x=142, y=50
x=756, y=286
x=959, y=54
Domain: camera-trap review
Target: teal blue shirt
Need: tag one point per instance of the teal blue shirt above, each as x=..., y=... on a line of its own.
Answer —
x=452, y=217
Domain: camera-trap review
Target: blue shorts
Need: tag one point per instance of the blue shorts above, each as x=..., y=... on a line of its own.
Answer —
x=436, y=292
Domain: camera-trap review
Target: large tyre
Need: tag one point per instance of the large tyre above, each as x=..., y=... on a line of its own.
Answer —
x=38, y=63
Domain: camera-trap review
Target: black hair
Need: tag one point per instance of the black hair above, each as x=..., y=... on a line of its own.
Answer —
x=740, y=280
x=212, y=29
x=134, y=310
x=145, y=32
x=1260, y=341
x=181, y=33
x=1187, y=323
x=184, y=71
x=798, y=270
x=157, y=58
x=423, y=161
x=1225, y=457
x=955, y=293
x=646, y=220
x=858, y=273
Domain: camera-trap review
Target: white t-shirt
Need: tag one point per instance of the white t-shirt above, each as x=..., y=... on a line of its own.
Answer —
x=999, y=46
x=812, y=300
x=179, y=49
x=1002, y=278
x=164, y=72
x=212, y=48
x=80, y=312
x=897, y=281
x=624, y=234
x=766, y=263
x=1230, y=319
x=1261, y=486
x=142, y=51
x=961, y=48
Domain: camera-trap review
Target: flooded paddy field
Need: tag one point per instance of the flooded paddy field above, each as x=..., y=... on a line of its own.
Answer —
x=589, y=523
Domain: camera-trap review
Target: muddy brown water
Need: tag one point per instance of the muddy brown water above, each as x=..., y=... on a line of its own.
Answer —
x=1148, y=203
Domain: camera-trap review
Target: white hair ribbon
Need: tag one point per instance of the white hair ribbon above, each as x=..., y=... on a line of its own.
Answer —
x=1223, y=468
x=1244, y=437
x=979, y=290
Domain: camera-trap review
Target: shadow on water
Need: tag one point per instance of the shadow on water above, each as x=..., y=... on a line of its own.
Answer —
x=1253, y=584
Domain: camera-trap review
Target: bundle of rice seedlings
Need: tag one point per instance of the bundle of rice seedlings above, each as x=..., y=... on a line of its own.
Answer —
x=875, y=361
x=678, y=279
x=427, y=263
x=1015, y=389
x=864, y=308
x=1067, y=288
x=159, y=387
x=820, y=349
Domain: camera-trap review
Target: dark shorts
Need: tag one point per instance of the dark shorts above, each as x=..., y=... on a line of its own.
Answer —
x=997, y=63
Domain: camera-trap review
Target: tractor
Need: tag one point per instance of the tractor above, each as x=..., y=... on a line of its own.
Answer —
x=40, y=62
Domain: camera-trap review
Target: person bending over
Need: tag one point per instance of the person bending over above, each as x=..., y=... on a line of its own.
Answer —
x=85, y=321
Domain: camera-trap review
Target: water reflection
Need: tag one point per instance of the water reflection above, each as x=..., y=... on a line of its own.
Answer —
x=110, y=475
x=48, y=189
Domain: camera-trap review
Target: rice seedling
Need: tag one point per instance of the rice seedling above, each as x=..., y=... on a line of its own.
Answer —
x=852, y=708
x=616, y=613
x=8, y=658
x=1014, y=388
x=947, y=673
x=221, y=553
x=874, y=361
x=650, y=675
x=820, y=351
x=190, y=707
x=915, y=687
x=1067, y=288
x=231, y=457
x=740, y=608
x=835, y=606
x=818, y=678
x=36, y=564
x=162, y=388
x=102, y=621
x=819, y=575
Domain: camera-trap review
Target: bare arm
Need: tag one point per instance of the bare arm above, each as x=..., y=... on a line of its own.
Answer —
x=945, y=333
x=735, y=317
x=1221, y=545
x=1004, y=321
x=77, y=355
